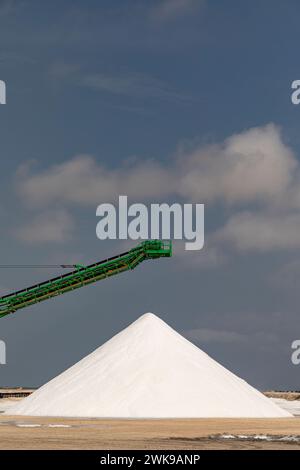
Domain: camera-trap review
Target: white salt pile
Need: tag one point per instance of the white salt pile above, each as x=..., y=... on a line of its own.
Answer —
x=147, y=370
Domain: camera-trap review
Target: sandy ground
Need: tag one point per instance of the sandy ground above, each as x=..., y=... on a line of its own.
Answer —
x=17, y=432
x=63, y=433
x=290, y=396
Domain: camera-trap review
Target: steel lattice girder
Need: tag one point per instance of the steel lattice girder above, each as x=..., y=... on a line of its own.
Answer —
x=84, y=275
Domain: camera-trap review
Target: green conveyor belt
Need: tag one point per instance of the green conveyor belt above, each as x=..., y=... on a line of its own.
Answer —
x=84, y=275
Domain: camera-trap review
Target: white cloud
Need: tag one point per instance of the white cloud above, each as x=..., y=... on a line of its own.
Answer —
x=53, y=226
x=262, y=232
x=82, y=181
x=254, y=165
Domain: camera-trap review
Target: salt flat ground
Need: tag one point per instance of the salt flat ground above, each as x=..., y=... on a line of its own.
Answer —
x=208, y=433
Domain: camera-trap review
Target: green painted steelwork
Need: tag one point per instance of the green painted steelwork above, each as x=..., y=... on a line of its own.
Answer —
x=84, y=275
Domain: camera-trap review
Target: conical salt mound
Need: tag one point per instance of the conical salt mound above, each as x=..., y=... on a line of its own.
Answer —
x=148, y=371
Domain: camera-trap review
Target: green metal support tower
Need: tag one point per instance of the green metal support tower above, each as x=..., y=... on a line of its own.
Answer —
x=84, y=275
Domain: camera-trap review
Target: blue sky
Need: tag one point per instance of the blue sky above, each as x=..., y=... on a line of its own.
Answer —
x=102, y=94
